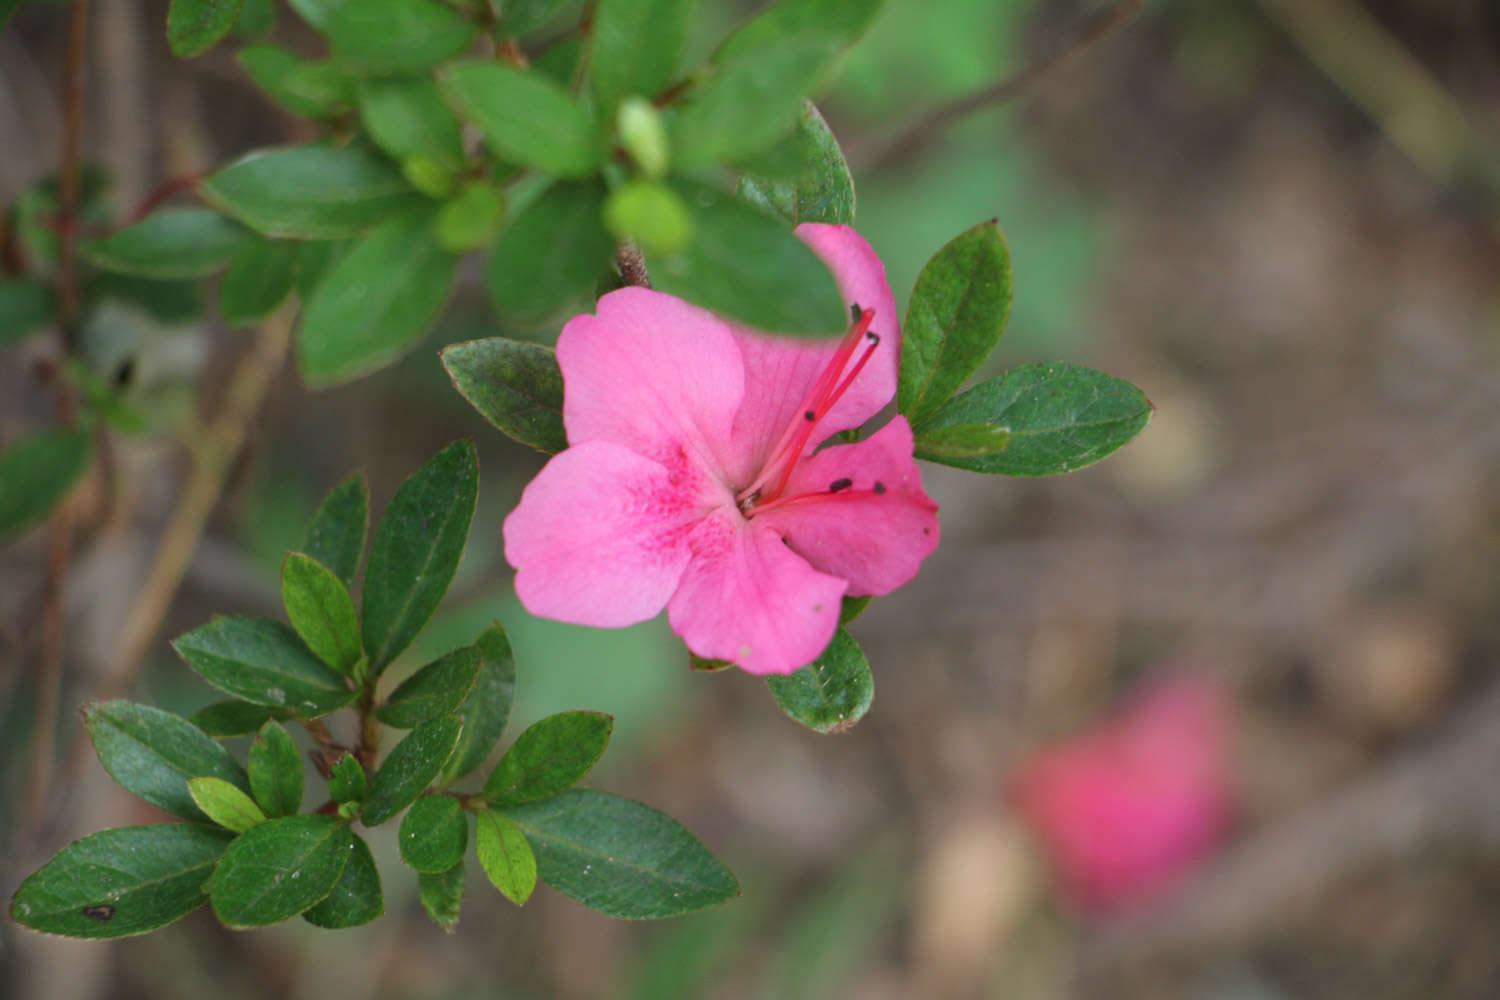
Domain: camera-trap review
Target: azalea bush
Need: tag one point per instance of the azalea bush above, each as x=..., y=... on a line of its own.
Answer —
x=733, y=408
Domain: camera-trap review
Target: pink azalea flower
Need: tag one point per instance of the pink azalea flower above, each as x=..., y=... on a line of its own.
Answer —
x=1127, y=807
x=693, y=480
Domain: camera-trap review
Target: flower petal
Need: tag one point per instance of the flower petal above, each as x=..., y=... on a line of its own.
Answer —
x=747, y=598
x=601, y=535
x=876, y=529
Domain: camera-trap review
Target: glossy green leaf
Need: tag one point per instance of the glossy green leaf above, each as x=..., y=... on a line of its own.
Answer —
x=169, y=243
x=195, y=26
x=437, y=689
x=356, y=897
x=310, y=192
x=552, y=251
x=263, y=661
x=397, y=36
x=963, y=441
x=223, y=719
x=260, y=276
x=416, y=550
x=336, y=537
x=279, y=869
x=276, y=777
x=410, y=768
x=321, y=610
x=956, y=315
x=820, y=190
x=515, y=385
x=377, y=301
x=434, y=834
x=486, y=710
x=505, y=855
x=830, y=694
x=549, y=757
x=837, y=23
x=442, y=895
x=225, y=804
x=621, y=858
x=37, y=472
x=526, y=118
x=25, y=308
x=649, y=214
x=152, y=754
x=746, y=265
x=346, y=780
x=1060, y=416
x=306, y=88
x=408, y=117
x=638, y=45
x=120, y=882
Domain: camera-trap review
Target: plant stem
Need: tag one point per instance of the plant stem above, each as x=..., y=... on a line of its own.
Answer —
x=632, y=266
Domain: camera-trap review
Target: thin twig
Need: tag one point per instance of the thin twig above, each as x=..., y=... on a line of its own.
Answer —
x=632, y=266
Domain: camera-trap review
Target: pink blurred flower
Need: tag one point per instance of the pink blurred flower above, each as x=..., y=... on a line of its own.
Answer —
x=1128, y=806
x=693, y=479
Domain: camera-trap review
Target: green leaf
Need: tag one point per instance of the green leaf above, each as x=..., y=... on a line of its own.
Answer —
x=316, y=12
x=437, y=689
x=225, y=804
x=336, y=537
x=264, y=662
x=408, y=117
x=830, y=694
x=1060, y=416
x=549, y=757
x=747, y=266
x=152, y=754
x=471, y=218
x=314, y=260
x=963, y=441
x=411, y=767
x=837, y=23
x=526, y=118
x=276, y=771
x=416, y=550
x=434, y=834
x=37, y=472
x=321, y=610
x=486, y=710
x=195, y=26
x=356, y=897
x=397, y=36
x=552, y=251
x=620, y=857
x=120, y=882
x=638, y=45
x=517, y=17
x=442, y=895
x=306, y=88
x=257, y=19
x=956, y=315
x=515, y=385
x=822, y=190
x=260, y=276
x=505, y=855
x=169, y=243
x=346, y=780
x=310, y=192
x=25, y=308
x=852, y=608
x=235, y=718
x=171, y=302
x=649, y=214
x=279, y=869
x=377, y=301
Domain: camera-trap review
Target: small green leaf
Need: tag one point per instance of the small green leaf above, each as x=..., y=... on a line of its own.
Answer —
x=638, y=45
x=316, y=12
x=260, y=276
x=279, y=869
x=306, y=88
x=263, y=662
x=526, y=118
x=957, y=313
x=515, y=385
x=549, y=757
x=195, y=26
x=225, y=804
x=170, y=302
x=830, y=694
x=257, y=19
x=152, y=754
x=416, y=550
x=412, y=765
x=442, y=895
x=314, y=260
x=356, y=897
x=346, y=781
x=643, y=133
x=821, y=189
x=434, y=834
x=621, y=858
x=505, y=855
x=321, y=610
x=336, y=537
x=838, y=23
x=25, y=308
x=37, y=472
x=705, y=665
x=487, y=708
x=408, y=117
x=963, y=441
x=169, y=243
x=649, y=214
x=276, y=771
x=397, y=36
x=310, y=192
x=223, y=719
x=120, y=882
x=552, y=251
x=437, y=689
x=747, y=266
x=471, y=219
x=852, y=608
x=377, y=301
x=1060, y=416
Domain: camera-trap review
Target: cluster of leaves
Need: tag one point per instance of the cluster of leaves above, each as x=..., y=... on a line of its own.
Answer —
x=249, y=851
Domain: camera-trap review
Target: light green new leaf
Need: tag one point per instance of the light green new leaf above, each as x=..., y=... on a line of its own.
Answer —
x=505, y=855
x=526, y=118
x=152, y=754
x=170, y=243
x=515, y=385
x=321, y=610
x=225, y=804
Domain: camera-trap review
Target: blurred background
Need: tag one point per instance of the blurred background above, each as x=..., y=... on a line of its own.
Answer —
x=1217, y=718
